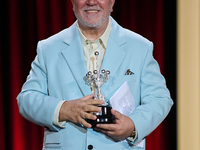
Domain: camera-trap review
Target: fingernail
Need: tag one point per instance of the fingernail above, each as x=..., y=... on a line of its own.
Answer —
x=99, y=109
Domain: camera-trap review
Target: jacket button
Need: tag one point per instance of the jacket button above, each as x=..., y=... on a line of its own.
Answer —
x=90, y=147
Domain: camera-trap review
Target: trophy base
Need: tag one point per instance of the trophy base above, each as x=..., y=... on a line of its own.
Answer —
x=103, y=117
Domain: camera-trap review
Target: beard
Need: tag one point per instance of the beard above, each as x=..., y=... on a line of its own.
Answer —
x=87, y=20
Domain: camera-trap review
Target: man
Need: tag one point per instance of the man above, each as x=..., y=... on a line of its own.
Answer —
x=55, y=95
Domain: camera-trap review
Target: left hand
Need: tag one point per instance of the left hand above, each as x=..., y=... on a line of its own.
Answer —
x=122, y=129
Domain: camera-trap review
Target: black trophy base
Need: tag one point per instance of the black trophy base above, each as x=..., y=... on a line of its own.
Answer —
x=104, y=117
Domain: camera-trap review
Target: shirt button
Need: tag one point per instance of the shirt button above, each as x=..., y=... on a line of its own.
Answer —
x=90, y=147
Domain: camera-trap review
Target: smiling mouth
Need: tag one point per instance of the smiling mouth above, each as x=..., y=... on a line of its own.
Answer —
x=92, y=11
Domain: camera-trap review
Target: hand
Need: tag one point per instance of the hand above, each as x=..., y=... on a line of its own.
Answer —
x=80, y=109
x=121, y=130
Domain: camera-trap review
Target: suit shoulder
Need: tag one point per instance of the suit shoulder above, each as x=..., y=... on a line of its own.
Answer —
x=54, y=39
x=57, y=40
x=136, y=42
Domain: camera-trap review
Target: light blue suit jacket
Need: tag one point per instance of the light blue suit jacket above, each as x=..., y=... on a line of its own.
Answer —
x=57, y=73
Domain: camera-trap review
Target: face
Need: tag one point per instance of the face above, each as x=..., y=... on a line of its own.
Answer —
x=92, y=13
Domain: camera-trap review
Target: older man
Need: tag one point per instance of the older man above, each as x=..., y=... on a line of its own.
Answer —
x=55, y=95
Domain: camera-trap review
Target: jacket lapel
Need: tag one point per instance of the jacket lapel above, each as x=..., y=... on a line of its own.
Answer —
x=114, y=54
x=113, y=57
x=74, y=57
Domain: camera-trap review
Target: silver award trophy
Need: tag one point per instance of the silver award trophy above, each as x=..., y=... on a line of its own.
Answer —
x=96, y=79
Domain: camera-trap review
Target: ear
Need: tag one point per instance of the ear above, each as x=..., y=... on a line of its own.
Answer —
x=72, y=1
x=112, y=4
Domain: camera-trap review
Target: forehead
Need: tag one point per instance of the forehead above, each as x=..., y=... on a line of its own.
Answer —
x=94, y=0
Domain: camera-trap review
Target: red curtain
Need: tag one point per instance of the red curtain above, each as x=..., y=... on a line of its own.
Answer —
x=2, y=133
x=23, y=23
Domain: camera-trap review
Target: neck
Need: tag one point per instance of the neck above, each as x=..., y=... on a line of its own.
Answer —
x=93, y=33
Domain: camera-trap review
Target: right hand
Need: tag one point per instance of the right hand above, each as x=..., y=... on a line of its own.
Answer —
x=80, y=109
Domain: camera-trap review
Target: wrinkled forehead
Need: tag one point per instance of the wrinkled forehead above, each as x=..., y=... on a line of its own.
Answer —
x=112, y=1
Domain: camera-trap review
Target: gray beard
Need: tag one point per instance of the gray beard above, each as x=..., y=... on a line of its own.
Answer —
x=91, y=25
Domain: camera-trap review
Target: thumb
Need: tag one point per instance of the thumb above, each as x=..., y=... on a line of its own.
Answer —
x=116, y=113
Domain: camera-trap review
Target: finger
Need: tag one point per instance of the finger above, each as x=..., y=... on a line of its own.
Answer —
x=94, y=102
x=90, y=100
x=106, y=127
x=91, y=108
x=116, y=113
x=85, y=123
x=88, y=116
x=88, y=97
x=105, y=130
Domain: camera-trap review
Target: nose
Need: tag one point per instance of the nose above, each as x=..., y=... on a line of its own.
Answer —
x=91, y=2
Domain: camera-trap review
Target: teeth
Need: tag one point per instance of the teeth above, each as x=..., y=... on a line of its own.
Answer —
x=92, y=11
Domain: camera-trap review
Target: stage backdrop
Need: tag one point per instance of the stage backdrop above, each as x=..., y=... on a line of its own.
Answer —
x=24, y=23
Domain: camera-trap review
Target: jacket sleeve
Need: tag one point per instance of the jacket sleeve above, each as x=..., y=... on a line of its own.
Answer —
x=155, y=98
x=33, y=101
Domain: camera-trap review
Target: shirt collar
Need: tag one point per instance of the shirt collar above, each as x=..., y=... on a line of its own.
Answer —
x=103, y=38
